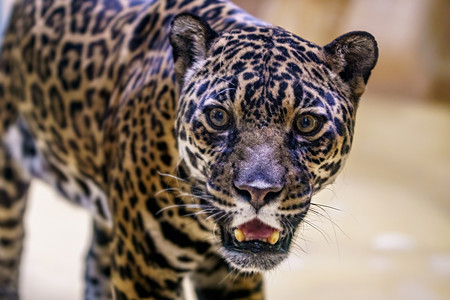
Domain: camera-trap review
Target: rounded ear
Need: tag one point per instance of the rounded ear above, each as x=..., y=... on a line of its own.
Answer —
x=353, y=56
x=191, y=38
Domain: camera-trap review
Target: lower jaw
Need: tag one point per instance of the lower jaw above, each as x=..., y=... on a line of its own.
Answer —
x=252, y=262
x=254, y=256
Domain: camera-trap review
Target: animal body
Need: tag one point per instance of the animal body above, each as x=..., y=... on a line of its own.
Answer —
x=195, y=133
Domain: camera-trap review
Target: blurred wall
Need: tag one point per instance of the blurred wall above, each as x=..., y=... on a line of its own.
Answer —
x=413, y=37
x=5, y=7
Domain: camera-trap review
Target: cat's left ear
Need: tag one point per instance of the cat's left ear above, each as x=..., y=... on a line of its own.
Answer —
x=353, y=56
x=191, y=38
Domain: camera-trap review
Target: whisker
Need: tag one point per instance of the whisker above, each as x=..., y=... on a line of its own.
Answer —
x=327, y=216
x=325, y=236
x=323, y=206
x=171, y=176
x=203, y=197
x=179, y=205
x=167, y=190
x=225, y=90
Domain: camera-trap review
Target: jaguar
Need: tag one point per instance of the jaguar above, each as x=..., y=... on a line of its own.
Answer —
x=195, y=134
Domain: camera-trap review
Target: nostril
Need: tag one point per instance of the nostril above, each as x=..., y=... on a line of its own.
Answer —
x=245, y=194
x=256, y=194
x=271, y=196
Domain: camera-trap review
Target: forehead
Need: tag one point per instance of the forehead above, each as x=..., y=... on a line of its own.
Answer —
x=259, y=49
x=267, y=69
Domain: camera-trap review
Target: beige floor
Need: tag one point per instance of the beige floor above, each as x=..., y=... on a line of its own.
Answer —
x=388, y=239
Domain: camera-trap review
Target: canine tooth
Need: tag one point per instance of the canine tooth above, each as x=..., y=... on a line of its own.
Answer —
x=239, y=235
x=273, y=238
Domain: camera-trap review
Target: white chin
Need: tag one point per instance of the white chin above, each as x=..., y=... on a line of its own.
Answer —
x=248, y=262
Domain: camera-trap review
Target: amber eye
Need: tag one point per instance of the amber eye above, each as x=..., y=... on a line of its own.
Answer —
x=218, y=118
x=307, y=124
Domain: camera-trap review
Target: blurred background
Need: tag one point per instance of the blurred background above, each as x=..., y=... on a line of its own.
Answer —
x=413, y=36
x=384, y=231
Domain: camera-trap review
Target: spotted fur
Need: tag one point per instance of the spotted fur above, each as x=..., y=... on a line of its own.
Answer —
x=110, y=102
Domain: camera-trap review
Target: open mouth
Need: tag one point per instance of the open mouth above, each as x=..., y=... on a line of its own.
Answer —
x=255, y=230
x=256, y=237
x=255, y=246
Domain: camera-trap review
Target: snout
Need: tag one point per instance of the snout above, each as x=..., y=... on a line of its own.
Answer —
x=258, y=193
x=260, y=178
x=253, y=186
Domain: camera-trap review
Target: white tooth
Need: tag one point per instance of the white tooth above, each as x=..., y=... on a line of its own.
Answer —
x=273, y=238
x=239, y=235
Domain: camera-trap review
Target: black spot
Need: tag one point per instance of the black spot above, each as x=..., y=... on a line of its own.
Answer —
x=69, y=65
x=59, y=174
x=120, y=295
x=133, y=201
x=101, y=237
x=6, y=242
x=99, y=207
x=238, y=67
x=126, y=214
x=76, y=109
x=339, y=126
x=248, y=55
x=37, y=97
x=83, y=186
x=141, y=291
x=8, y=173
x=73, y=145
x=118, y=189
x=170, y=4
x=248, y=75
x=202, y=88
x=190, y=111
x=82, y=8
x=120, y=245
x=294, y=70
x=161, y=146
x=183, y=134
x=336, y=167
x=182, y=239
x=9, y=223
x=184, y=258
x=134, y=148
x=166, y=159
x=29, y=54
x=104, y=18
x=172, y=285
x=96, y=67
x=142, y=187
x=153, y=207
x=141, y=31
x=329, y=98
x=192, y=158
x=313, y=57
x=122, y=229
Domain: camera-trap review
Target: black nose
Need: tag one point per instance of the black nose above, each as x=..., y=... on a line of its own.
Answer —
x=258, y=193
